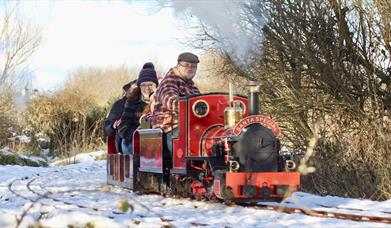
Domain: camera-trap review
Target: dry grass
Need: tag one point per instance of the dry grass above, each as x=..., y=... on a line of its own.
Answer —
x=354, y=163
x=211, y=76
x=7, y=117
x=100, y=85
x=73, y=118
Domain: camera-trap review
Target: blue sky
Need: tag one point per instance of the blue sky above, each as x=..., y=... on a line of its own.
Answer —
x=100, y=33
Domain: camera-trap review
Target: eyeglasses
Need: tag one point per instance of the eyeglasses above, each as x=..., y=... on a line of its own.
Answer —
x=189, y=65
x=146, y=85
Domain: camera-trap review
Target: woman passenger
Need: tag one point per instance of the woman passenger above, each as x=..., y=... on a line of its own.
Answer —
x=135, y=105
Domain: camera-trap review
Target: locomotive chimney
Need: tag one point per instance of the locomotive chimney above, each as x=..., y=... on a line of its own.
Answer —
x=233, y=113
x=230, y=95
x=253, y=98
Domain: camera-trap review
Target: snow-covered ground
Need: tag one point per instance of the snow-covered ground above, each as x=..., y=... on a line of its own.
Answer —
x=77, y=195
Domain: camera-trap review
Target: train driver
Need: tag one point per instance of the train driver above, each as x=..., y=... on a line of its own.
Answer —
x=178, y=82
x=135, y=105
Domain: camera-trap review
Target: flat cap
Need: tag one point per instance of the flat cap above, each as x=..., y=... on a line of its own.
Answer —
x=188, y=57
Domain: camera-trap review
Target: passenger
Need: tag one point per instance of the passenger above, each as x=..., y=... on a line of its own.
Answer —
x=177, y=83
x=145, y=119
x=113, y=119
x=136, y=104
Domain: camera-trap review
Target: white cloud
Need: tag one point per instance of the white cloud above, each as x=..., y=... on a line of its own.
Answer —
x=100, y=33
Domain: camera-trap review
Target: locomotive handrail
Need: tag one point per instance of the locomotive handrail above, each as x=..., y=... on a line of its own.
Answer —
x=207, y=94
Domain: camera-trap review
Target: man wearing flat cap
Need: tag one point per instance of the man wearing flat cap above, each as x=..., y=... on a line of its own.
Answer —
x=178, y=82
x=112, y=119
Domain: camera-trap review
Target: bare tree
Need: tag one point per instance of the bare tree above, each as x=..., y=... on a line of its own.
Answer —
x=18, y=41
x=329, y=61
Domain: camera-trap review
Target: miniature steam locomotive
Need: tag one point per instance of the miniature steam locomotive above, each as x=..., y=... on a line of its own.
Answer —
x=224, y=149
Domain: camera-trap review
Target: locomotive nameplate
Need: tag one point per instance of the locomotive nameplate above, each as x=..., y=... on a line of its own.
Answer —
x=263, y=120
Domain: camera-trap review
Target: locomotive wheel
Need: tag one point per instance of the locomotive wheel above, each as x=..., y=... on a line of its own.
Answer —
x=149, y=182
x=165, y=189
x=181, y=185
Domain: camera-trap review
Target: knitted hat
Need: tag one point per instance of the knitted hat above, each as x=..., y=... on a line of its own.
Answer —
x=148, y=73
x=188, y=57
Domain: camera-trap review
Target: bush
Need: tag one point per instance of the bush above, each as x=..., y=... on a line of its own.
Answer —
x=71, y=121
x=354, y=163
x=7, y=117
x=73, y=118
x=7, y=157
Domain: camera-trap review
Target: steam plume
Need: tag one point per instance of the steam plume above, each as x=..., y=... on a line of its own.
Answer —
x=237, y=34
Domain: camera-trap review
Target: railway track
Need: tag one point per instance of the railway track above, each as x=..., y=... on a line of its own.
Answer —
x=325, y=214
x=36, y=193
x=35, y=189
x=308, y=211
x=349, y=208
x=27, y=189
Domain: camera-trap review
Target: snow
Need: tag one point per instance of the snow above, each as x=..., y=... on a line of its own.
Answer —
x=33, y=158
x=6, y=151
x=20, y=138
x=82, y=157
x=77, y=195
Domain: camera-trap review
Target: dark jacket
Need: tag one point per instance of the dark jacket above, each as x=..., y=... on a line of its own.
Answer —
x=130, y=119
x=115, y=114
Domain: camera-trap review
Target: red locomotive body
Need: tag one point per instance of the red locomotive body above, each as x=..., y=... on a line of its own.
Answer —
x=223, y=149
